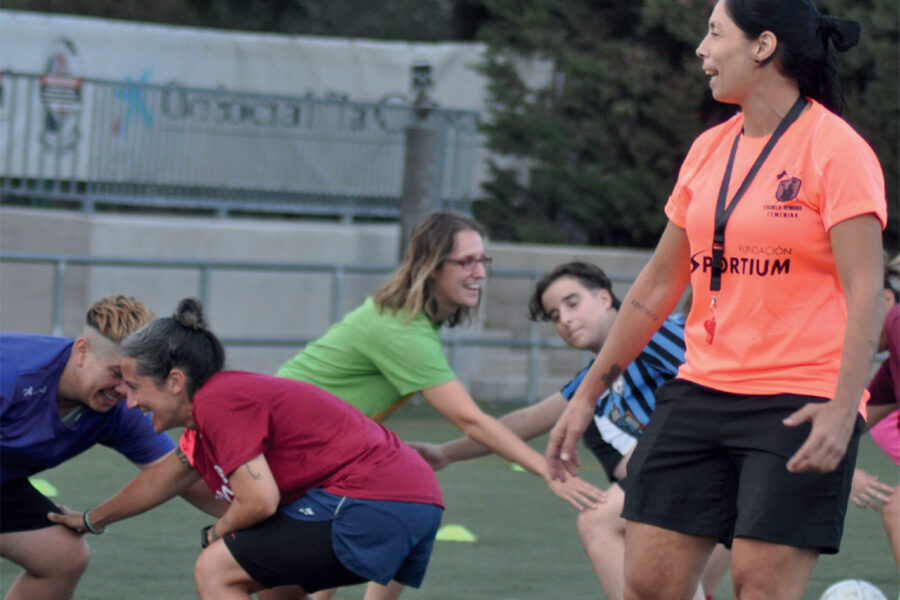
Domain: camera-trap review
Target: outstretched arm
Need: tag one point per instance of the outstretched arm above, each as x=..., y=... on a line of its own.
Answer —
x=649, y=301
x=161, y=481
x=856, y=244
x=527, y=423
x=453, y=402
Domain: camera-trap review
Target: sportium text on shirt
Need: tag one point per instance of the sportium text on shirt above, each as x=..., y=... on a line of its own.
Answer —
x=781, y=310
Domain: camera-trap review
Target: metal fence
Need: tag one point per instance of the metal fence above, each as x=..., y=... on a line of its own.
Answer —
x=93, y=142
x=453, y=339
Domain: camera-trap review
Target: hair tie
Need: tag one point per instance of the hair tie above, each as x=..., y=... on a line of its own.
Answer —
x=843, y=33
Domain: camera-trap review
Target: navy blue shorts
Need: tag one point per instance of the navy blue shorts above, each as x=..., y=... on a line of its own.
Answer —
x=371, y=540
x=713, y=464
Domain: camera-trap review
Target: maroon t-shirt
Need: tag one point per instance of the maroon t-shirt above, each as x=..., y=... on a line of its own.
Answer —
x=885, y=386
x=310, y=439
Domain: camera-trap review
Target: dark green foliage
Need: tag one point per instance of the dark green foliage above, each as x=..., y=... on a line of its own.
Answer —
x=595, y=146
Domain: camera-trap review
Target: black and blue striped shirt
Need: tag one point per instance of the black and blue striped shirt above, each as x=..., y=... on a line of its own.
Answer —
x=631, y=399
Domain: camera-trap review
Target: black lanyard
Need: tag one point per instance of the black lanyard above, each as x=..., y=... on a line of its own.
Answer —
x=722, y=215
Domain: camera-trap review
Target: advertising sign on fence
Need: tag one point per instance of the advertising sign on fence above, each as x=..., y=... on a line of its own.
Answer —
x=88, y=100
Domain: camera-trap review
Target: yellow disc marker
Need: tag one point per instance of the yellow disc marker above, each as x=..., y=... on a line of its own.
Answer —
x=44, y=487
x=455, y=533
x=518, y=467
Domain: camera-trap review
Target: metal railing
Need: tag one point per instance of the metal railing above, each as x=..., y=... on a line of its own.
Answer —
x=452, y=339
x=93, y=142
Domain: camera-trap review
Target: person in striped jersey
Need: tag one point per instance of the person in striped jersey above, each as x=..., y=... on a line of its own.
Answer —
x=578, y=299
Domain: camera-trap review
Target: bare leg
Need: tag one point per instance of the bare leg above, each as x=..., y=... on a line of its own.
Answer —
x=715, y=569
x=325, y=594
x=602, y=533
x=54, y=559
x=391, y=591
x=890, y=515
x=763, y=570
x=220, y=577
x=662, y=564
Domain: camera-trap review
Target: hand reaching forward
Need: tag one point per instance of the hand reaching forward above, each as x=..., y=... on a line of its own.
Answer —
x=867, y=490
x=431, y=453
x=578, y=492
x=561, y=451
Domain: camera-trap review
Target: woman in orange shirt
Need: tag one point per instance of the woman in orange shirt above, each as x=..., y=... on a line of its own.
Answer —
x=753, y=444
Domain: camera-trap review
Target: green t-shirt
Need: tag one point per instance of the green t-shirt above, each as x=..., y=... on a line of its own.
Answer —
x=374, y=360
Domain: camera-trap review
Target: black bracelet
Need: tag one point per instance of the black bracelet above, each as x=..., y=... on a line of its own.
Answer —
x=205, y=535
x=90, y=526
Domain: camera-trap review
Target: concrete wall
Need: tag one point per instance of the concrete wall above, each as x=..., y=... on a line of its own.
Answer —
x=272, y=304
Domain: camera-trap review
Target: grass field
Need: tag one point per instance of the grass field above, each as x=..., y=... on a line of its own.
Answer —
x=527, y=547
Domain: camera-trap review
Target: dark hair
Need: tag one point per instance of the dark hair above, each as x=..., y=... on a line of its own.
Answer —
x=432, y=241
x=181, y=341
x=591, y=276
x=803, y=51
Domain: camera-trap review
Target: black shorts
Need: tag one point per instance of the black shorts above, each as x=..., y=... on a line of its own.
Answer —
x=607, y=454
x=23, y=508
x=286, y=551
x=712, y=464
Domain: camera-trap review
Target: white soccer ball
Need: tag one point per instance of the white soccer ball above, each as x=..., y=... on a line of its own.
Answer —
x=852, y=589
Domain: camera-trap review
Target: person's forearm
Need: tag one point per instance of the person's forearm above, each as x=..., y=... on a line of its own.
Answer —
x=241, y=515
x=203, y=498
x=645, y=307
x=151, y=487
x=865, y=314
x=856, y=246
x=489, y=432
x=527, y=423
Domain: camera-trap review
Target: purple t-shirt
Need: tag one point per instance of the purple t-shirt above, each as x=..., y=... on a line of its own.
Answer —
x=34, y=438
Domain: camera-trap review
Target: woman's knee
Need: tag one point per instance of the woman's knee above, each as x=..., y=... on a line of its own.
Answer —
x=206, y=572
x=603, y=520
x=216, y=569
x=64, y=555
x=80, y=556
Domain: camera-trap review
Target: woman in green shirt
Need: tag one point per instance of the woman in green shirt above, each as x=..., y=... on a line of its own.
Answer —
x=389, y=348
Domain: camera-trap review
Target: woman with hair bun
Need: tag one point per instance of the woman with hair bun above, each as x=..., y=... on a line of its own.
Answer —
x=775, y=221
x=320, y=495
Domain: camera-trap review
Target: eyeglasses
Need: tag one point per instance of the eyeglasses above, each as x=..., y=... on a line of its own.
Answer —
x=469, y=262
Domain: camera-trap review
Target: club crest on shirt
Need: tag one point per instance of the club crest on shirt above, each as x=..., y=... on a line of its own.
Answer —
x=788, y=189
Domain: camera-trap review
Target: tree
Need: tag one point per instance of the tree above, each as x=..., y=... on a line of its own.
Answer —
x=601, y=138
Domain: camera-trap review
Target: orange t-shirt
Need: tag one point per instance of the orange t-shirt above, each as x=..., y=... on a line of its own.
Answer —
x=781, y=310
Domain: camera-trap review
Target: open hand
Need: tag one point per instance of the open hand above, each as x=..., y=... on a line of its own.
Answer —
x=867, y=490
x=578, y=492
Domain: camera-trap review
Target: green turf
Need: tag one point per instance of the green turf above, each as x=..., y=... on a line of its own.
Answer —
x=527, y=547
